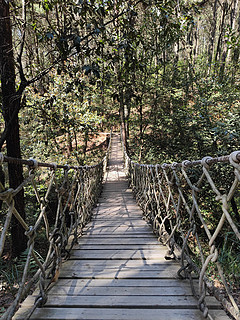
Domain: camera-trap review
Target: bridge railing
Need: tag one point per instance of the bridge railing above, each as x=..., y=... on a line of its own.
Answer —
x=60, y=207
x=193, y=207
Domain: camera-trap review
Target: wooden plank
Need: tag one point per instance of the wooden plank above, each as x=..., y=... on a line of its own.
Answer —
x=121, y=236
x=117, y=198
x=115, y=241
x=123, y=301
x=118, y=274
x=68, y=274
x=123, y=226
x=117, y=201
x=118, y=188
x=121, y=291
x=132, y=210
x=122, y=204
x=115, y=195
x=137, y=283
x=118, y=254
x=87, y=287
x=110, y=220
x=116, y=220
x=118, y=216
x=120, y=264
x=130, y=207
x=125, y=235
x=117, y=224
x=121, y=186
x=121, y=246
x=120, y=314
x=117, y=229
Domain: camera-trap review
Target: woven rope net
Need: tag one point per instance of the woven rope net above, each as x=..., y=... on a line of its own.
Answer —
x=192, y=207
x=60, y=208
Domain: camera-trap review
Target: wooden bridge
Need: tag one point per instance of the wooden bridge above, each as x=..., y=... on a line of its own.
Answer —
x=118, y=269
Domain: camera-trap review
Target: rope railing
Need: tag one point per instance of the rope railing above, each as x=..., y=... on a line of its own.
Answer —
x=59, y=211
x=193, y=209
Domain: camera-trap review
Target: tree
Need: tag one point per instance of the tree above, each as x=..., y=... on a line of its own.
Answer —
x=61, y=30
x=11, y=103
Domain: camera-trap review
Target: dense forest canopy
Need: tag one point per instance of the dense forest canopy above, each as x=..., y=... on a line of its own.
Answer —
x=168, y=68
x=167, y=71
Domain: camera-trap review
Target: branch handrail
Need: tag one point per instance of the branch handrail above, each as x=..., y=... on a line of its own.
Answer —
x=173, y=198
x=74, y=191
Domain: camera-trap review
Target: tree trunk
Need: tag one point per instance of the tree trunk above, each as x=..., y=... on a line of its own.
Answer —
x=122, y=116
x=233, y=21
x=236, y=54
x=69, y=143
x=221, y=32
x=224, y=47
x=213, y=34
x=140, y=130
x=10, y=108
x=86, y=138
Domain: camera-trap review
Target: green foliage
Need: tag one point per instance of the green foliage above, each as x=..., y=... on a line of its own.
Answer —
x=9, y=276
x=202, y=120
x=11, y=271
x=54, y=122
x=230, y=258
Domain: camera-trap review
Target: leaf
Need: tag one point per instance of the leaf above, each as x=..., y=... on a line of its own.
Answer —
x=77, y=40
x=96, y=73
x=87, y=69
x=46, y=5
x=49, y=35
x=97, y=31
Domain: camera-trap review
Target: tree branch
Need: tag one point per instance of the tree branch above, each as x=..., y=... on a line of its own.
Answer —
x=22, y=43
x=44, y=72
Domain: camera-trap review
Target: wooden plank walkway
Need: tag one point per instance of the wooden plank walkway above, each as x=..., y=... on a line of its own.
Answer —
x=118, y=270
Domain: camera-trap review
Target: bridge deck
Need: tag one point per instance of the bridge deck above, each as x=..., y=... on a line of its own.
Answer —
x=118, y=270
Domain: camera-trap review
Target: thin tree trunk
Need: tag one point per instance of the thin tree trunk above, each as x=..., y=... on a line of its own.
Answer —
x=236, y=52
x=213, y=33
x=221, y=32
x=224, y=46
x=140, y=129
x=69, y=143
x=86, y=138
x=233, y=20
x=122, y=115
